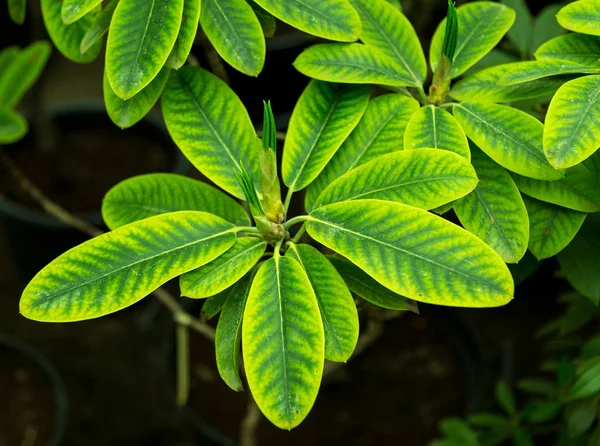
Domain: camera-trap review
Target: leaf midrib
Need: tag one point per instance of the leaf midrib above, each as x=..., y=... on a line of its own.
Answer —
x=368, y=68
x=341, y=27
x=137, y=56
x=286, y=391
x=234, y=32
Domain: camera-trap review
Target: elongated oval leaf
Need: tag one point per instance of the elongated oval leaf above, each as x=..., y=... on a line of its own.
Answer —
x=16, y=10
x=338, y=311
x=379, y=132
x=582, y=16
x=283, y=342
x=433, y=127
x=551, y=227
x=322, y=119
x=22, y=72
x=414, y=253
x=483, y=87
x=495, y=211
x=481, y=25
x=385, y=28
x=351, y=63
x=520, y=33
x=117, y=269
x=266, y=20
x=364, y=286
x=425, y=178
x=141, y=36
x=127, y=113
x=153, y=194
x=73, y=10
x=235, y=32
x=228, y=336
x=577, y=48
x=519, y=72
x=67, y=38
x=98, y=27
x=578, y=190
x=214, y=304
x=333, y=19
x=187, y=34
x=210, y=125
x=509, y=136
x=572, y=131
x=492, y=59
x=8, y=56
x=13, y=126
x=224, y=271
x=545, y=26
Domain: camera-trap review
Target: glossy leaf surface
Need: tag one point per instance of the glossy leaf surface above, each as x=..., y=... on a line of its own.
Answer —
x=187, y=34
x=98, y=27
x=582, y=16
x=519, y=72
x=73, y=10
x=577, y=48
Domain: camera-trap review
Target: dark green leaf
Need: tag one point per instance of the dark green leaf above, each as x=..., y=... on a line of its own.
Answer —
x=98, y=27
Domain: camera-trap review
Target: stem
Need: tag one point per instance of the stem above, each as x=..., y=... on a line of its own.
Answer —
x=183, y=365
x=401, y=90
x=294, y=221
x=448, y=104
x=279, y=135
x=422, y=96
x=288, y=199
x=300, y=233
x=250, y=423
x=247, y=229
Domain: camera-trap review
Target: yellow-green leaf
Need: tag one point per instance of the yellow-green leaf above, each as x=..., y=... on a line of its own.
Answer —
x=551, y=227
x=117, y=269
x=578, y=48
x=322, y=119
x=187, y=34
x=211, y=126
x=379, y=132
x=509, y=136
x=582, y=16
x=432, y=127
x=141, y=36
x=519, y=72
x=224, y=271
x=98, y=27
x=153, y=194
x=414, y=253
x=338, y=311
x=495, y=211
x=283, y=342
x=425, y=178
x=235, y=32
x=13, y=126
x=73, y=10
x=333, y=19
x=386, y=29
x=572, y=129
x=481, y=25
x=127, y=113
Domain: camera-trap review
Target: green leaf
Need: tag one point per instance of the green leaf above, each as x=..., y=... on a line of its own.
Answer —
x=187, y=34
x=73, y=10
x=425, y=178
x=580, y=416
x=459, y=431
x=485, y=419
x=13, y=126
x=577, y=48
x=591, y=348
x=333, y=19
x=379, y=132
x=17, y=10
x=23, y=71
x=283, y=342
x=541, y=411
x=505, y=398
x=117, y=269
x=588, y=379
x=545, y=26
x=509, y=136
x=235, y=32
x=214, y=304
x=483, y=87
x=491, y=59
x=8, y=56
x=519, y=72
x=67, y=38
x=523, y=270
x=578, y=190
x=520, y=32
x=210, y=125
x=414, y=253
x=224, y=271
x=572, y=131
x=351, y=63
x=141, y=36
x=582, y=16
x=537, y=386
x=98, y=27
x=580, y=259
x=436, y=128
x=338, y=311
x=551, y=227
x=481, y=25
x=127, y=113
x=386, y=29
x=266, y=20
x=364, y=286
x=153, y=194
x=495, y=211
x=322, y=119
x=228, y=336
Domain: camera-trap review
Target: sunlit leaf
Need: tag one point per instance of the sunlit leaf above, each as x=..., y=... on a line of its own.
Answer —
x=519, y=72
x=283, y=342
x=117, y=269
x=577, y=48
x=322, y=119
x=582, y=16
x=98, y=27
x=13, y=126
x=211, y=126
x=187, y=34
x=73, y=10
x=414, y=253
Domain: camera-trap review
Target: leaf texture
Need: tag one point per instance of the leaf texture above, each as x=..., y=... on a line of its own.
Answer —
x=582, y=16
x=187, y=34
x=98, y=27
x=519, y=72
x=577, y=48
x=73, y=10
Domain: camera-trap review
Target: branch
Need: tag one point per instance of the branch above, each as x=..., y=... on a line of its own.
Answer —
x=250, y=423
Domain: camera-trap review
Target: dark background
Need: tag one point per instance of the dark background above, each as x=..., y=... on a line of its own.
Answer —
x=111, y=380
